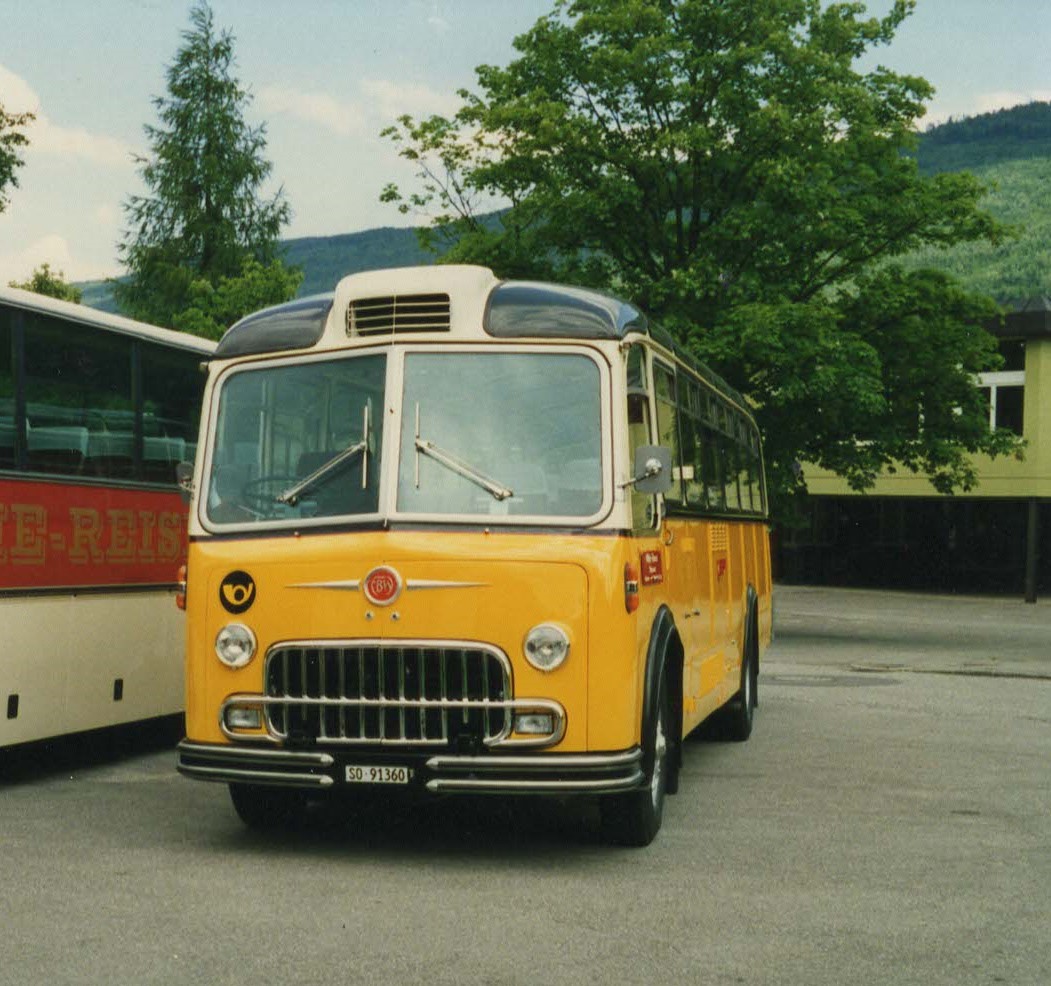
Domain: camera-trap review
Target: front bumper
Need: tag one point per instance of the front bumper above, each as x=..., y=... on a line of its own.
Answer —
x=438, y=773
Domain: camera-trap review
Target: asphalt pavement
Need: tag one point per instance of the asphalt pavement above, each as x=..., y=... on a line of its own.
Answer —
x=865, y=630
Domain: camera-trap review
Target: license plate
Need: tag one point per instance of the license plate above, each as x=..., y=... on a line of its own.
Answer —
x=354, y=774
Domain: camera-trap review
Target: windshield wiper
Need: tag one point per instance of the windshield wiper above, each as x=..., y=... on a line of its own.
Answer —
x=496, y=490
x=293, y=493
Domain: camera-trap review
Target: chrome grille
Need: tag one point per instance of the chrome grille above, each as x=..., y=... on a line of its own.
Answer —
x=368, y=692
x=398, y=313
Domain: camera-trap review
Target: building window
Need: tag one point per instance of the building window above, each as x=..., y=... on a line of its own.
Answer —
x=1004, y=389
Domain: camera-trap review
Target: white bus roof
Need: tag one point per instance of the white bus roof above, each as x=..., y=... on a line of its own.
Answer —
x=71, y=312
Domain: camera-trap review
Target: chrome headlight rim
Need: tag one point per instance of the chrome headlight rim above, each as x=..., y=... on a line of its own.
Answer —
x=235, y=645
x=546, y=647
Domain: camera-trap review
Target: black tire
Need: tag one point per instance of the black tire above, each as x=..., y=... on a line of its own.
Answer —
x=634, y=818
x=268, y=808
x=739, y=715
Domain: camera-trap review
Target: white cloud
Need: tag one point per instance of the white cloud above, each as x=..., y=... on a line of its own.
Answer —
x=990, y=101
x=16, y=95
x=392, y=99
x=343, y=119
x=52, y=249
x=437, y=23
x=46, y=137
x=107, y=214
x=381, y=102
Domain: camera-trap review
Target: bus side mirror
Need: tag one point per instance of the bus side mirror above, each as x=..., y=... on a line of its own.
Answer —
x=184, y=480
x=652, y=470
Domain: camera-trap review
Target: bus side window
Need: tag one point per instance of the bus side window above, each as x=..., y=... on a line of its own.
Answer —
x=8, y=444
x=713, y=470
x=691, y=436
x=643, y=507
x=667, y=426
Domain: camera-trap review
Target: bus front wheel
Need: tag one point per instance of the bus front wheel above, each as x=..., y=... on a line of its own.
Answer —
x=634, y=818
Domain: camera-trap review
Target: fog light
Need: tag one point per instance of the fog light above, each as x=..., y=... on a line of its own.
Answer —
x=244, y=718
x=546, y=646
x=535, y=724
x=235, y=645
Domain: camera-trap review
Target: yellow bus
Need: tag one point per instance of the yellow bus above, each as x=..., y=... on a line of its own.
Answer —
x=454, y=534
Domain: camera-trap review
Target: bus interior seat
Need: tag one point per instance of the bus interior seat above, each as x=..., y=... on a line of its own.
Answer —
x=7, y=443
x=160, y=455
x=110, y=453
x=57, y=448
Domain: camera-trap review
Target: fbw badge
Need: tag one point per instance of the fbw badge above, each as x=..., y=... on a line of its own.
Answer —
x=382, y=586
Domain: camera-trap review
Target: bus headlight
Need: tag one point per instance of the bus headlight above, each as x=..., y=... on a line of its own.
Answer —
x=235, y=645
x=546, y=646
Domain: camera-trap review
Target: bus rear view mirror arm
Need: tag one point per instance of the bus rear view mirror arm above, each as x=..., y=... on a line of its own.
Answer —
x=652, y=470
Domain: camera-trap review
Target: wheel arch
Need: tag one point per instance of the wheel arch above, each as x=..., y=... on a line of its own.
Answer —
x=664, y=651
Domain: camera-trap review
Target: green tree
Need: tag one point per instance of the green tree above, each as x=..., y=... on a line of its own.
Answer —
x=204, y=215
x=212, y=309
x=729, y=166
x=50, y=282
x=11, y=140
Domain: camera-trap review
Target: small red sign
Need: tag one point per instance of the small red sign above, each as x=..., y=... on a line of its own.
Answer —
x=652, y=568
x=382, y=586
x=720, y=567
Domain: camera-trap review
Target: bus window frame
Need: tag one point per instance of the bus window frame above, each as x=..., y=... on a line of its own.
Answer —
x=654, y=503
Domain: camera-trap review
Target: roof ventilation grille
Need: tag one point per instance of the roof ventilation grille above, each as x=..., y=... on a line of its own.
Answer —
x=398, y=313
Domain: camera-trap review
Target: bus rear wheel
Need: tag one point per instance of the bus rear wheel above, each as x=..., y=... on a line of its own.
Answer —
x=634, y=818
x=267, y=808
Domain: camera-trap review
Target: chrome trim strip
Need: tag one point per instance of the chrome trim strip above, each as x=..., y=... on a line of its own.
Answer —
x=255, y=753
x=443, y=584
x=477, y=785
x=347, y=585
x=228, y=774
x=569, y=761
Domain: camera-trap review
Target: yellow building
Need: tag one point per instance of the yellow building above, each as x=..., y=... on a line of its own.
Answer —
x=902, y=533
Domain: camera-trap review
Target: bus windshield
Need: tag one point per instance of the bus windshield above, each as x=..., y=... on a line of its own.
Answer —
x=298, y=441
x=500, y=434
x=481, y=434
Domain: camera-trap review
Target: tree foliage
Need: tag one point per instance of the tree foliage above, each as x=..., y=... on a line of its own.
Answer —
x=729, y=166
x=12, y=139
x=50, y=282
x=212, y=309
x=204, y=215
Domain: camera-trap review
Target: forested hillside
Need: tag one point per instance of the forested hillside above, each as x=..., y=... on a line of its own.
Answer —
x=323, y=260
x=974, y=143
x=1010, y=151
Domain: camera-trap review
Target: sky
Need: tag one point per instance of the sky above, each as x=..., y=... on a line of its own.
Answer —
x=326, y=76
